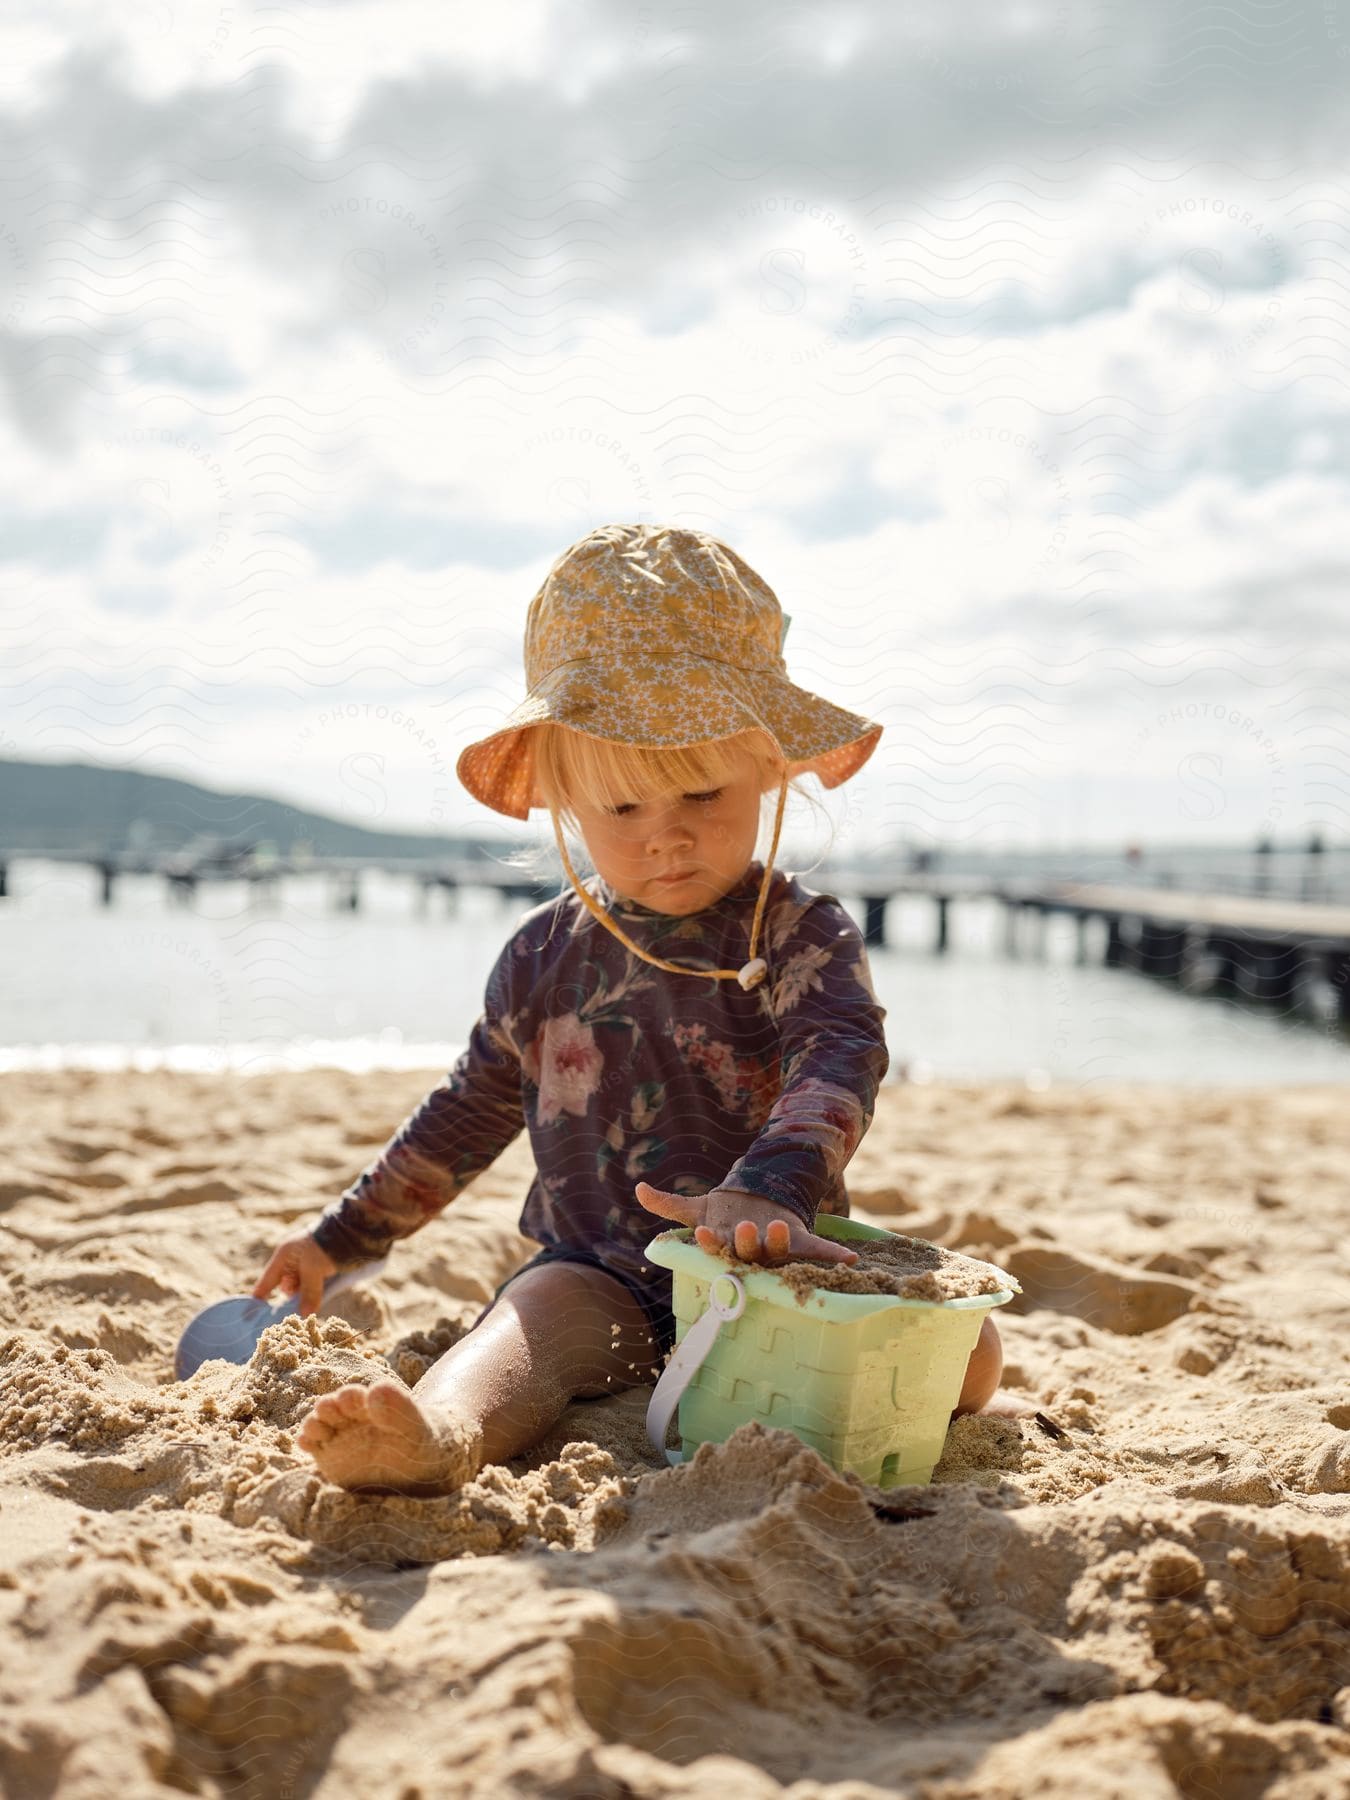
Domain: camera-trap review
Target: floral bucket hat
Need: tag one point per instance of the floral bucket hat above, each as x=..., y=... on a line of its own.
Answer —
x=656, y=635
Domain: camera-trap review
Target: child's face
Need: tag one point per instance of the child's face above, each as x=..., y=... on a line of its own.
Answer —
x=707, y=838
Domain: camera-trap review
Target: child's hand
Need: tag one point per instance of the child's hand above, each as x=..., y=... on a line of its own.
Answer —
x=756, y=1229
x=297, y=1265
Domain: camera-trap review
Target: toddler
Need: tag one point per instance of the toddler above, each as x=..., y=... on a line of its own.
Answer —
x=690, y=1036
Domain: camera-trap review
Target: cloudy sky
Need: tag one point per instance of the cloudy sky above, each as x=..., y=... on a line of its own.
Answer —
x=1008, y=342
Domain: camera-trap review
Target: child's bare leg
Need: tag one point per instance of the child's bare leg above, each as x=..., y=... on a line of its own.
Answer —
x=983, y=1374
x=548, y=1339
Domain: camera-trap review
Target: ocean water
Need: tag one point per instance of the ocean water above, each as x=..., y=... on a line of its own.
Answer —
x=254, y=983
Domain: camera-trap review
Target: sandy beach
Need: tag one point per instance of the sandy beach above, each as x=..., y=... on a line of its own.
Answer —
x=1146, y=1594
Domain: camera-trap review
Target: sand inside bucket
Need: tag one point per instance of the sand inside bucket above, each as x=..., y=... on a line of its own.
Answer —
x=908, y=1267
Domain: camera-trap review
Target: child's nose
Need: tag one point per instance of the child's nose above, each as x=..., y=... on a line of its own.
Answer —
x=669, y=830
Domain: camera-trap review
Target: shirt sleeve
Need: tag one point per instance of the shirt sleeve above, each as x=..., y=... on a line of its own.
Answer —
x=456, y=1132
x=832, y=1058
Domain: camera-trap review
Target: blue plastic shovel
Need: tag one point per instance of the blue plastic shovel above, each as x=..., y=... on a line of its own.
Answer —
x=229, y=1330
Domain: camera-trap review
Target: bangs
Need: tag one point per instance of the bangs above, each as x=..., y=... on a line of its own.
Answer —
x=572, y=767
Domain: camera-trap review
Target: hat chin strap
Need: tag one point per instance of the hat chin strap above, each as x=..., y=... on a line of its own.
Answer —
x=749, y=974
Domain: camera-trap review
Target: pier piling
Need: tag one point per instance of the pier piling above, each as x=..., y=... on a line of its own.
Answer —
x=874, y=926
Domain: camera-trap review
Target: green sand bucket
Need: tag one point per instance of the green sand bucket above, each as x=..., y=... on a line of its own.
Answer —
x=868, y=1380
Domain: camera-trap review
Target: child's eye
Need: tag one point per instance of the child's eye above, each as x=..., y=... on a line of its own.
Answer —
x=617, y=812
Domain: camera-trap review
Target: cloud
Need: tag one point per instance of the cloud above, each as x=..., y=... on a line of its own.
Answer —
x=364, y=537
x=1008, y=342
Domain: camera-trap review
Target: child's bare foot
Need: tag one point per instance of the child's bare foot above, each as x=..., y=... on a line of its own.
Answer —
x=380, y=1438
x=1008, y=1406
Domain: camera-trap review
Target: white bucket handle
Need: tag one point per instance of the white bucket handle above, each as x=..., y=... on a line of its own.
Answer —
x=685, y=1361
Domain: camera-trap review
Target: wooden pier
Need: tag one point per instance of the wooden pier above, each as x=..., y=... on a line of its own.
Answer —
x=184, y=872
x=1276, y=951
x=1272, y=951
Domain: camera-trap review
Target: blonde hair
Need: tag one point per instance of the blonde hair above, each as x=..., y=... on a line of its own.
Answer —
x=571, y=767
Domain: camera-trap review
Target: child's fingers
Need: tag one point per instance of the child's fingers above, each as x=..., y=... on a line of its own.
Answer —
x=268, y=1279
x=311, y=1292
x=826, y=1250
x=778, y=1238
x=670, y=1206
x=776, y=1245
x=772, y=1242
x=746, y=1240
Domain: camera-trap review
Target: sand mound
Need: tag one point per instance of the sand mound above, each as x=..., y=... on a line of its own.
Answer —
x=1143, y=1590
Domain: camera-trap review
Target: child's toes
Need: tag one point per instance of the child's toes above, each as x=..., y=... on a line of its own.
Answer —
x=348, y=1402
x=327, y=1407
x=337, y=1409
x=388, y=1402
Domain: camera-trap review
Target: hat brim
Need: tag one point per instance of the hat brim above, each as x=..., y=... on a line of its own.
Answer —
x=673, y=700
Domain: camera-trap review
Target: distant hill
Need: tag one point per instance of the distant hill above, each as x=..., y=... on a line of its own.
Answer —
x=89, y=806
x=68, y=806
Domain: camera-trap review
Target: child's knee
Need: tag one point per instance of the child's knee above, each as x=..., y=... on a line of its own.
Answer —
x=585, y=1328
x=987, y=1356
x=984, y=1370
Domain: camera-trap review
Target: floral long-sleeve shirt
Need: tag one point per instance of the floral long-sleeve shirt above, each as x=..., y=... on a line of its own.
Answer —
x=622, y=1072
